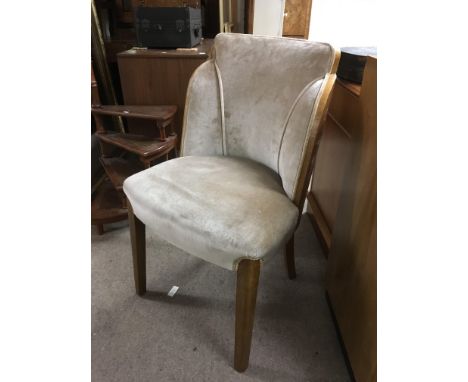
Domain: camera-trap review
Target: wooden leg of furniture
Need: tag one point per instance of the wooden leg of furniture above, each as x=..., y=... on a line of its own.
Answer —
x=100, y=229
x=289, y=257
x=146, y=163
x=123, y=198
x=137, y=237
x=248, y=273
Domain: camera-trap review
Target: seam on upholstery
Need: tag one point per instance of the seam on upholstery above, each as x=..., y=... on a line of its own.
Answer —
x=290, y=112
x=221, y=100
x=309, y=128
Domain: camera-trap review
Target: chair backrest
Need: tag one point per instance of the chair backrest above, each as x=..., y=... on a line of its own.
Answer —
x=261, y=98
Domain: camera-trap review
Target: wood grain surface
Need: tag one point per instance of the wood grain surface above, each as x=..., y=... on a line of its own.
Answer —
x=352, y=264
x=297, y=18
x=151, y=77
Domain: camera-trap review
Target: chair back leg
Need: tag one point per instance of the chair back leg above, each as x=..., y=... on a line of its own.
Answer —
x=137, y=237
x=248, y=274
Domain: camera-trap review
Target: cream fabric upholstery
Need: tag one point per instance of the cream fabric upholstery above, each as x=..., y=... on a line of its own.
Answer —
x=269, y=87
x=247, y=120
x=218, y=208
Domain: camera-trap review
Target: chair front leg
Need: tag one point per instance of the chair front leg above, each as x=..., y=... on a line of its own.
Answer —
x=137, y=237
x=248, y=274
x=289, y=257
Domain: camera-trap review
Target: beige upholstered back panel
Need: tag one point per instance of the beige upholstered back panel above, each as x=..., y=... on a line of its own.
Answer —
x=202, y=133
x=256, y=98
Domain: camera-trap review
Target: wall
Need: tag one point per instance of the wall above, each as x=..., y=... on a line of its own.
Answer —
x=344, y=22
x=268, y=17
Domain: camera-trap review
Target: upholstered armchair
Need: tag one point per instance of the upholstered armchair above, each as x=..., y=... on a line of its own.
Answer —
x=234, y=197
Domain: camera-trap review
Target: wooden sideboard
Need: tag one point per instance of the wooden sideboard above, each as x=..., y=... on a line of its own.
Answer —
x=332, y=158
x=343, y=204
x=160, y=76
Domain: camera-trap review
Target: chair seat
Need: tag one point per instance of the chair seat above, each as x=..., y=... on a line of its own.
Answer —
x=221, y=209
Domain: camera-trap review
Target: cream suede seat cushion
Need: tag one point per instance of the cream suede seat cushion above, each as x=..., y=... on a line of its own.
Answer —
x=221, y=209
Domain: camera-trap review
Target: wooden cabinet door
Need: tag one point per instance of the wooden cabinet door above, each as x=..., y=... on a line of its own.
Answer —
x=296, y=18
